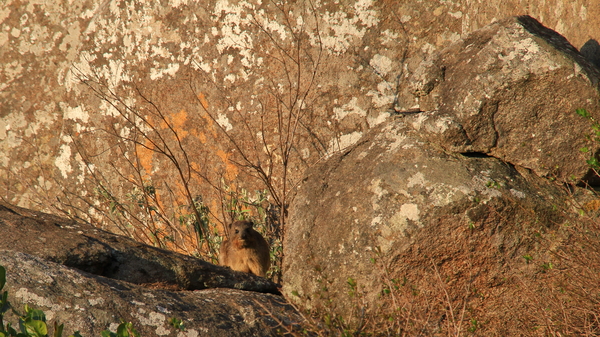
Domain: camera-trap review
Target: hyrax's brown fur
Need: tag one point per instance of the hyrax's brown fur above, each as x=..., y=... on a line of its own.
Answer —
x=245, y=249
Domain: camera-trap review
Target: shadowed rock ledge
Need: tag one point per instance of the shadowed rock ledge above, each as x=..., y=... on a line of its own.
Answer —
x=90, y=304
x=90, y=280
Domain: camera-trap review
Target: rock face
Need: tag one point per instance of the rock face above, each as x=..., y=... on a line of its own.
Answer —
x=510, y=91
x=399, y=198
x=343, y=63
x=451, y=196
x=90, y=304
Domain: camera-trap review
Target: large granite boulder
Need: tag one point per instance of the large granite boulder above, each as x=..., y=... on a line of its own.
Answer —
x=446, y=205
x=510, y=90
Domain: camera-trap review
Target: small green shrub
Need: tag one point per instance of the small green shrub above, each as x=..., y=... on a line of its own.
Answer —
x=177, y=323
x=594, y=136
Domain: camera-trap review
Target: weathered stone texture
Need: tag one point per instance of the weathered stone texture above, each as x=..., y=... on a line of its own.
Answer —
x=510, y=90
x=391, y=196
x=90, y=304
x=232, y=58
x=90, y=280
x=455, y=189
x=92, y=92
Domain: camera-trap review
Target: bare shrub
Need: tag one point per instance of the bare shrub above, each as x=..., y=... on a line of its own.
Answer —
x=142, y=171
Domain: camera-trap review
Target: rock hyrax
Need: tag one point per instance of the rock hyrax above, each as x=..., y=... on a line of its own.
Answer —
x=245, y=249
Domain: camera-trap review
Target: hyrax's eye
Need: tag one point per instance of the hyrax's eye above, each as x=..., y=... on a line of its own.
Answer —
x=237, y=231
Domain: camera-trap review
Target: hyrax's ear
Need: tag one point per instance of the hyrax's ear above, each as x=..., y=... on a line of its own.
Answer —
x=251, y=223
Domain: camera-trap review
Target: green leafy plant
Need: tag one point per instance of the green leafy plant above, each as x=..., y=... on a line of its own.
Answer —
x=592, y=161
x=177, y=323
x=494, y=184
x=547, y=265
x=125, y=329
x=352, y=284
x=474, y=325
x=583, y=113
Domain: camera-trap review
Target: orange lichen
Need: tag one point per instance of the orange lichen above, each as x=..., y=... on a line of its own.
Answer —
x=231, y=170
x=592, y=206
x=204, y=114
x=146, y=156
x=176, y=121
x=203, y=100
x=202, y=137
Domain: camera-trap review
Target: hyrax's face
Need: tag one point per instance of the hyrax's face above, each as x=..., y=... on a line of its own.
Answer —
x=240, y=232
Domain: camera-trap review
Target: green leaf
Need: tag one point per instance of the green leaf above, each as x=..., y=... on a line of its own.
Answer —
x=133, y=330
x=35, y=327
x=474, y=325
x=327, y=320
x=58, y=330
x=34, y=314
x=547, y=265
x=593, y=162
x=351, y=282
x=583, y=113
x=177, y=323
x=2, y=277
x=4, y=305
x=11, y=331
x=77, y=334
x=122, y=330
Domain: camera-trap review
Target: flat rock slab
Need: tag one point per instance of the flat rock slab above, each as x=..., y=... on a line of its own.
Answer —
x=90, y=304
